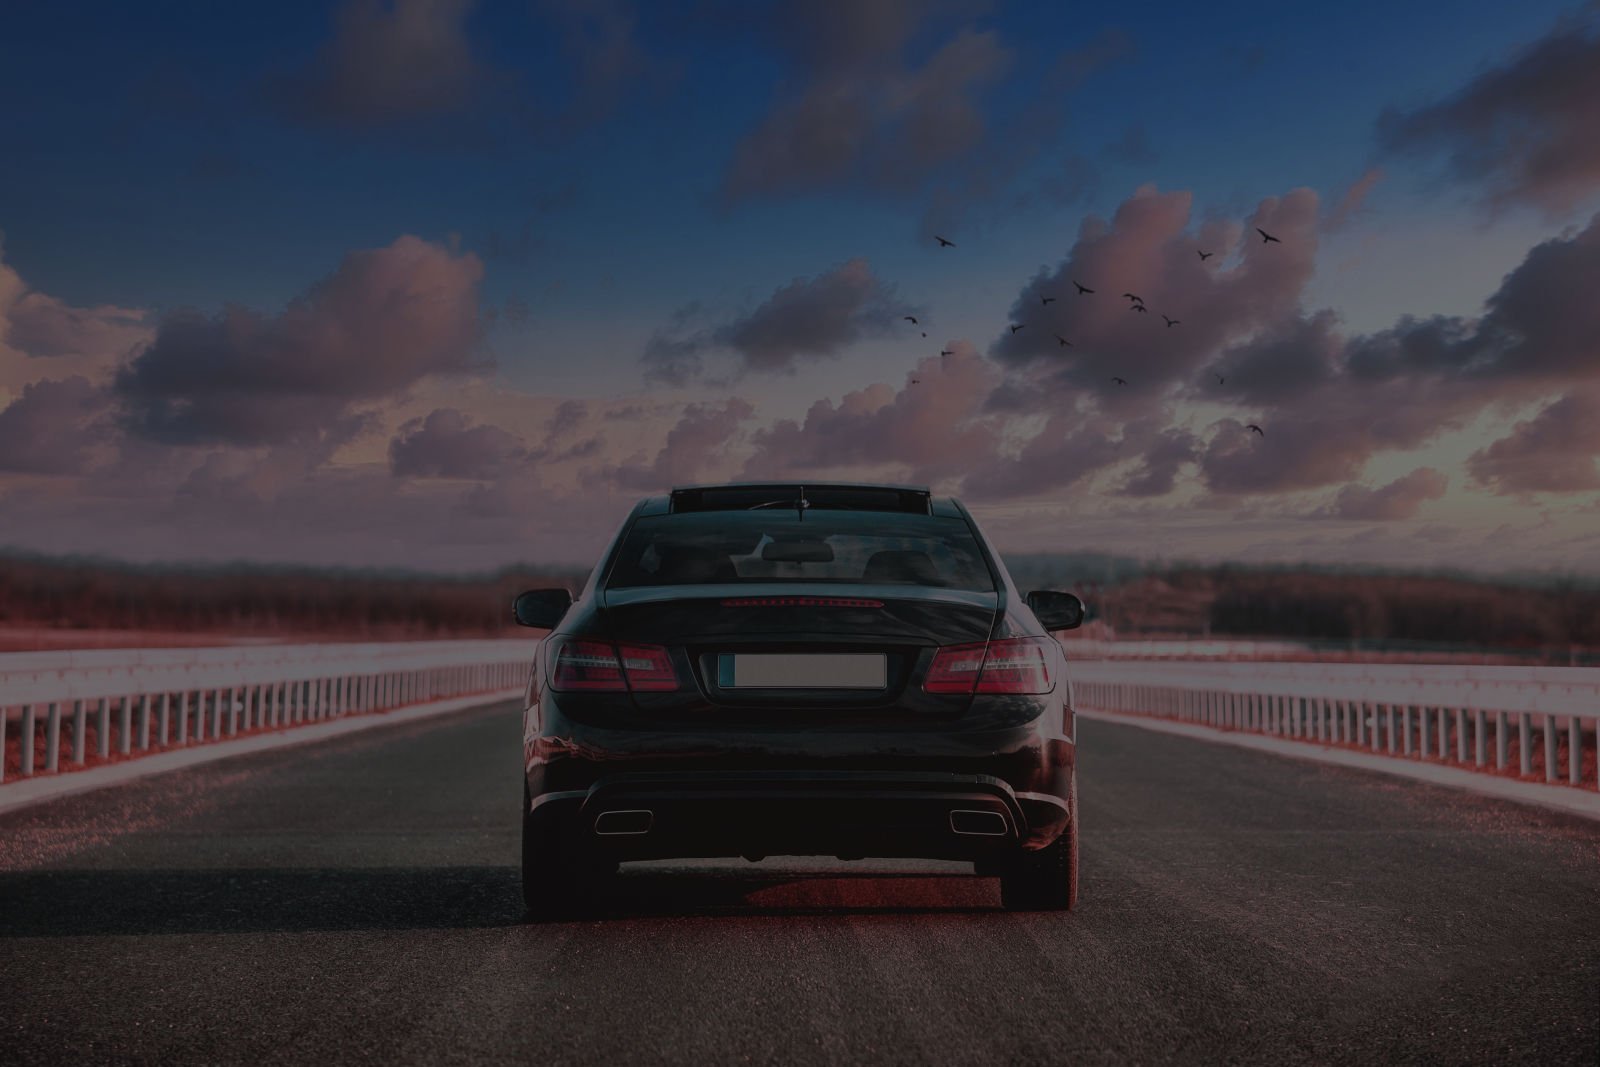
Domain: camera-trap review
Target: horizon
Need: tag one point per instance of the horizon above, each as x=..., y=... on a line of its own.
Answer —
x=440, y=285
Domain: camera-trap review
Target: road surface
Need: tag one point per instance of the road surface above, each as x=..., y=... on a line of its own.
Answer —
x=356, y=901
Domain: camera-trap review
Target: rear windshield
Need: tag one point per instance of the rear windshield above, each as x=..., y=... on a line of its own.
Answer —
x=780, y=546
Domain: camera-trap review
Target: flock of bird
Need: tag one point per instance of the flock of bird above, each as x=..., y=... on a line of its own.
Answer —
x=1135, y=304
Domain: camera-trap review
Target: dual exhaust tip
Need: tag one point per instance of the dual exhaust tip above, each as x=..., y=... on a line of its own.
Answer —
x=633, y=822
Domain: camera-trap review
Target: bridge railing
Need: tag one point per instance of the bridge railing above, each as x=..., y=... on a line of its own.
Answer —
x=136, y=701
x=1452, y=713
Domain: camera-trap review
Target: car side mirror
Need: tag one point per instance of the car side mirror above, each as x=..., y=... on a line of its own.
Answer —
x=1056, y=611
x=541, y=607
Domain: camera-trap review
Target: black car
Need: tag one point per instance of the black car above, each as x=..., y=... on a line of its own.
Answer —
x=783, y=669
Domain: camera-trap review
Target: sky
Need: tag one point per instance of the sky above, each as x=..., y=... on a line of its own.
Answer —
x=447, y=285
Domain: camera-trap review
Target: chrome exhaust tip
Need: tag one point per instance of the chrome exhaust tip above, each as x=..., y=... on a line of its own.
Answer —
x=625, y=821
x=979, y=823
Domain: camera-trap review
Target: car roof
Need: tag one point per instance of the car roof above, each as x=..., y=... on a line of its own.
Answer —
x=860, y=496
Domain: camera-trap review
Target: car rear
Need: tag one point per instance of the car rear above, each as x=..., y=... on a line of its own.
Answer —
x=763, y=670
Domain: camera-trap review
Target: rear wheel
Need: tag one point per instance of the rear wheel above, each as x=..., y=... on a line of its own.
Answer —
x=1046, y=880
x=557, y=882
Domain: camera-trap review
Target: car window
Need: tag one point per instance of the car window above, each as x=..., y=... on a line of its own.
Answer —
x=781, y=546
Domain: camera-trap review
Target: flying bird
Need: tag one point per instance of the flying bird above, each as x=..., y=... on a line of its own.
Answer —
x=912, y=319
x=1082, y=288
x=943, y=243
x=1064, y=342
x=1137, y=307
x=1220, y=378
x=946, y=352
x=1017, y=326
x=1265, y=236
x=1204, y=255
x=1045, y=300
x=1172, y=322
x=1119, y=381
x=1134, y=297
x=1252, y=426
x=916, y=381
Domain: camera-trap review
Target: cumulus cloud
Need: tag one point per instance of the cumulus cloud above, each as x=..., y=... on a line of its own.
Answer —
x=385, y=319
x=1351, y=202
x=699, y=440
x=1159, y=466
x=1553, y=452
x=446, y=444
x=858, y=111
x=809, y=318
x=44, y=327
x=934, y=428
x=53, y=427
x=389, y=62
x=1527, y=130
x=1147, y=248
x=1400, y=499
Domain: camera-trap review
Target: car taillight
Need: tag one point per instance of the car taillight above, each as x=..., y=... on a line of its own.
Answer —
x=648, y=668
x=1013, y=665
x=602, y=666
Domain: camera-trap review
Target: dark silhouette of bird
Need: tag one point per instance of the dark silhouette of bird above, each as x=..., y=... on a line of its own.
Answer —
x=916, y=381
x=946, y=352
x=912, y=319
x=1204, y=255
x=1172, y=322
x=1137, y=307
x=1220, y=378
x=1265, y=236
x=1134, y=297
x=943, y=243
x=1017, y=326
x=1119, y=381
x=1253, y=427
x=1064, y=342
x=1082, y=288
x=1045, y=300
x=924, y=333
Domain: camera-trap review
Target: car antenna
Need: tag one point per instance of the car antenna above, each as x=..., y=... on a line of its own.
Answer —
x=800, y=505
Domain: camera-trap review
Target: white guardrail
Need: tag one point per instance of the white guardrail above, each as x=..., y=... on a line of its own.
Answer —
x=135, y=701
x=1438, y=712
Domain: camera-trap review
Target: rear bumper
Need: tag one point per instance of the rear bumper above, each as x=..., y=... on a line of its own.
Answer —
x=659, y=815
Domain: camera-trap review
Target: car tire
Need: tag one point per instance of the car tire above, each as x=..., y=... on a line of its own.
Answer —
x=1046, y=879
x=556, y=883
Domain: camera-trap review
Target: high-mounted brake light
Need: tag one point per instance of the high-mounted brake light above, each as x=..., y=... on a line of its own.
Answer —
x=1013, y=665
x=596, y=666
x=801, y=602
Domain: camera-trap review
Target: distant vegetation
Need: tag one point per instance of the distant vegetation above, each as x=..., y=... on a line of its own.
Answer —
x=263, y=601
x=1132, y=597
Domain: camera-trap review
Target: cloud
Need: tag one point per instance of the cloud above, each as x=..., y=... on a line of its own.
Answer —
x=53, y=427
x=384, y=320
x=699, y=440
x=388, y=63
x=1527, y=130
x=1147, y=249
x=1158, y=470
x=935, y=428
x=809, y=318
x=1352, y=201
x=1400, y=499
x=858, y=112
x=45, y=327
x=1554, y=452
x=446, y=445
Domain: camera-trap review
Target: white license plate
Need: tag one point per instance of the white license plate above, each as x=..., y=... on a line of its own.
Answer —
x=798, y=670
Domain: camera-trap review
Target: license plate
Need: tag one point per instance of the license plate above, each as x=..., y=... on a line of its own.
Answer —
x=798, y=670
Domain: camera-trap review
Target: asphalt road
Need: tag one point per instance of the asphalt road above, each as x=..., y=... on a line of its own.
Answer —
x=357, y=901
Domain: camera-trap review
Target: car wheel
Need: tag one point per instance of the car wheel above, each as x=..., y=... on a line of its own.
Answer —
x=556, y=882
x=1046, y=880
